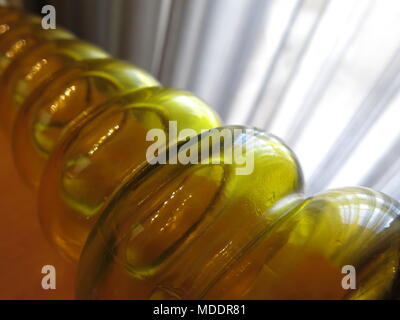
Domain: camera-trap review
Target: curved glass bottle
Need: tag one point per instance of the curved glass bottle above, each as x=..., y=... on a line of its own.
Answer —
x=203, y=232
x=10, y=18
x=170, y=230
x=218, y=228
x=35, y=68
x=21, y=35
x=307, y=255
x=99, y=148
x=52, y=106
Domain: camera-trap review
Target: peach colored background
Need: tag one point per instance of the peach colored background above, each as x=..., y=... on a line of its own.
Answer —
x=23, y=248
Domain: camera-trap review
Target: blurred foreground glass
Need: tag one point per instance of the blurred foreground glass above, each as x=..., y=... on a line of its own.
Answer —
x=35, y=68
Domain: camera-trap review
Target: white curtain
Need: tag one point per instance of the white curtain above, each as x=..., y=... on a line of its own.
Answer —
x=323, y=75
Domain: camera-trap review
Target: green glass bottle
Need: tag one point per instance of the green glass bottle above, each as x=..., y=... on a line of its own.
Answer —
x=51, y=107
x=11, y=18
x=99, y=148
x=135, y=182
x=37, y=68
x=338, y=244
x=170, y=230
x=19, y=36
x=203, y=232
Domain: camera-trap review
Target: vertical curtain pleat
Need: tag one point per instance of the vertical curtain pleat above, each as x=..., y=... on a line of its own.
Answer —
x=371, y=109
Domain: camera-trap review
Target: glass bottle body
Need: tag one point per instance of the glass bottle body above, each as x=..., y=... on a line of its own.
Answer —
x=51, y=107
x=37, y=68
x=99, y=148
x=171, y=230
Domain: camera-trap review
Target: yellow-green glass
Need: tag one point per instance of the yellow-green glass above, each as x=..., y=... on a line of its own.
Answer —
x=296, y=249
x=175, y=230
x=170, y=230
x=52, y=106
x=10, y=18
x=98, y=149
x=36, y=68
x=303, y=256
x=21, y=36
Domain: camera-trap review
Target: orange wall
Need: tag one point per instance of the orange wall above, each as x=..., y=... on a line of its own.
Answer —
x=23, y=248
